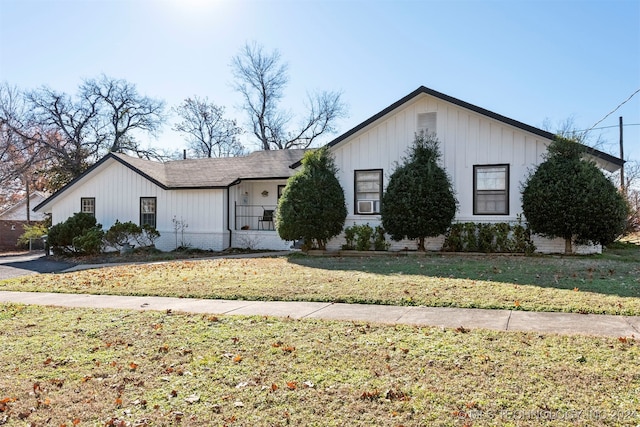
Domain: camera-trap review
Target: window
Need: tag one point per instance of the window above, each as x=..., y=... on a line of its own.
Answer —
x=88, y=205
x=491, y=190
x=426, y=123
x=280, y=190
x=368, y=186
x=148, y=211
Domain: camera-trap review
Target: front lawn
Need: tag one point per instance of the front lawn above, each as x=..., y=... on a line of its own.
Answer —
x=608, y=283
x=78, y=367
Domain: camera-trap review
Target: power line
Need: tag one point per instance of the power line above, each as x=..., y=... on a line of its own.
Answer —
x=608, y=127
x=614, y=110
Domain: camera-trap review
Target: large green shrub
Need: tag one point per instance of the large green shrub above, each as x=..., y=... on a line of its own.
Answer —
x=419, y=200
x=79, y=234
x=569, y=197
x=312, y=207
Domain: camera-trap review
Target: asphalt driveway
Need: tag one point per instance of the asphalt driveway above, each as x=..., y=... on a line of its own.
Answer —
x=33, y=263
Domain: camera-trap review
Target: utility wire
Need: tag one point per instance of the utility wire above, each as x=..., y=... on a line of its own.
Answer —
x=614, y=110
x=608, y=127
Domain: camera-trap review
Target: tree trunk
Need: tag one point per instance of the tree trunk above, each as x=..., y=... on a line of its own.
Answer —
x=567, y=245
x=421, y=244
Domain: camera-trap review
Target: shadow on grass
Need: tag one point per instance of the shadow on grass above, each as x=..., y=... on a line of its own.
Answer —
x=615, y=272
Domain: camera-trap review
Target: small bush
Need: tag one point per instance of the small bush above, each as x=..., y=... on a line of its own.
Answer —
x=32, y=232
x=121, y=233
x=364, y=238
x=147, y=237
x=379, y=241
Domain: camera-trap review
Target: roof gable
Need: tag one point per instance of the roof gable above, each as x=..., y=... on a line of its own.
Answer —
x=608, y=161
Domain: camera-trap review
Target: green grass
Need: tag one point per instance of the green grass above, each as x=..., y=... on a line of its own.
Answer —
x=608, y=283
x=112, y=367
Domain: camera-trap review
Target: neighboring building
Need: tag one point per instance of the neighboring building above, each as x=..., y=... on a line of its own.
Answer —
x=13, y=220
x=228, y=202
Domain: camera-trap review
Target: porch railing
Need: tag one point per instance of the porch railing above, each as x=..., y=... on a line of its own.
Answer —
x=255, y=217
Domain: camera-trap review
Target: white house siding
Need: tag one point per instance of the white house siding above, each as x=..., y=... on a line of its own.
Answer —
x=254, y=239
x=466, y=139
x=117, y=191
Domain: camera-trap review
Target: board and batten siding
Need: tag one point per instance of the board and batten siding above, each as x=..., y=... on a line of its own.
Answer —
x=466, y=139
x=117, y=191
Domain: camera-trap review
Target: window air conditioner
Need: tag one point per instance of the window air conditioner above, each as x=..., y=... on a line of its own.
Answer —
x=366, y=206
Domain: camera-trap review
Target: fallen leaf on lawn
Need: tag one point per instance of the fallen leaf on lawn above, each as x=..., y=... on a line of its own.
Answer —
x=194, y=398
x=370, y=395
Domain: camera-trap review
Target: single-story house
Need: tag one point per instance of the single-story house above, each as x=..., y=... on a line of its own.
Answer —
x=229, y=202
x=14, y=218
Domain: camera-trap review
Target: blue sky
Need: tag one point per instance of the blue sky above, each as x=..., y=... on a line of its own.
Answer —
x=533, y=61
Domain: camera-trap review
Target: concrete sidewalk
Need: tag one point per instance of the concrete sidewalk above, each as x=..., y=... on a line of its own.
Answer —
x=503, y=320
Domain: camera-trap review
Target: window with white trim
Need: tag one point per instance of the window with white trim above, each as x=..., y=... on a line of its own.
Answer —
x=148, y=213
x=368, y=191
x=88, y=205
x=491, y=190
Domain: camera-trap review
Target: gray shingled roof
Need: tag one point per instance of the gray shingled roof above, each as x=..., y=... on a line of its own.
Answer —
x=202, y=173
x=216, y=172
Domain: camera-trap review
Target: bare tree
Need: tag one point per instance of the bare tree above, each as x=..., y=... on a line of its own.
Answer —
x=12, y=143
x=208, y=132
x=69, y=131
x=124, y=111
x=72, y=132
x=22, y=159
x=261, y=77
x=567, y=129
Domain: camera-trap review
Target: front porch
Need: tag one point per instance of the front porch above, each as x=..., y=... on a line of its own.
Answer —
x=254, y=217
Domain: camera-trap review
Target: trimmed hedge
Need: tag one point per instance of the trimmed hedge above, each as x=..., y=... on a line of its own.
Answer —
x=488, y=238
